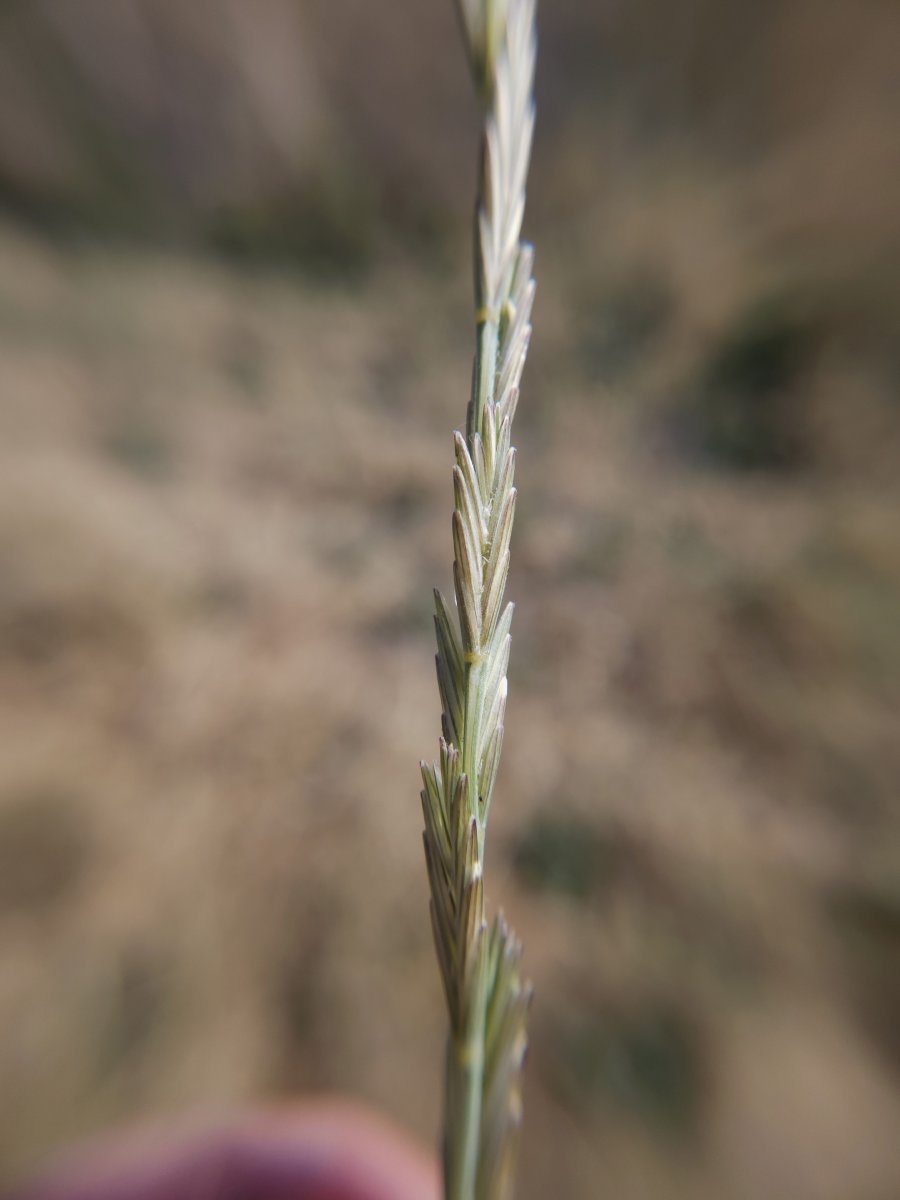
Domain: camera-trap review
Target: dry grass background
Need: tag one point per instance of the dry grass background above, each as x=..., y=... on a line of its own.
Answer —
x=224, y=500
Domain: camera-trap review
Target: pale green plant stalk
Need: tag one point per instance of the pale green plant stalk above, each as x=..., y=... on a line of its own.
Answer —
x=486, y=998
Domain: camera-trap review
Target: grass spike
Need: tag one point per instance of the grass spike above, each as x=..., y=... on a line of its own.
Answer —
x=486, y=998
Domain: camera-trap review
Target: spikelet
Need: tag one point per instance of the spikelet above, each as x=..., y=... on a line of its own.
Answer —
x=486, y=999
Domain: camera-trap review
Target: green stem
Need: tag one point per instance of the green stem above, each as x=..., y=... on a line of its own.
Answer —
x=466, y=1047
x=469, y=748
x=466, y=1085
x=485, y=373
x=465, y=1068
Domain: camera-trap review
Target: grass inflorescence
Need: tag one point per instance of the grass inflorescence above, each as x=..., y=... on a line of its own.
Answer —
x=486, y=998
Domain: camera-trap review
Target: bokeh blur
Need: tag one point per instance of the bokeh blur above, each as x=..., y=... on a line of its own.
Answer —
x=235, y=334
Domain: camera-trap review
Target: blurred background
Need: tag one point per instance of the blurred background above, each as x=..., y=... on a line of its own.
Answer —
x=235, y=334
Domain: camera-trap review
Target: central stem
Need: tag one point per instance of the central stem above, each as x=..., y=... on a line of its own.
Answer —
x=466, y=1085
x=466, y=1047
x=485, y=372
x=466, y=1066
